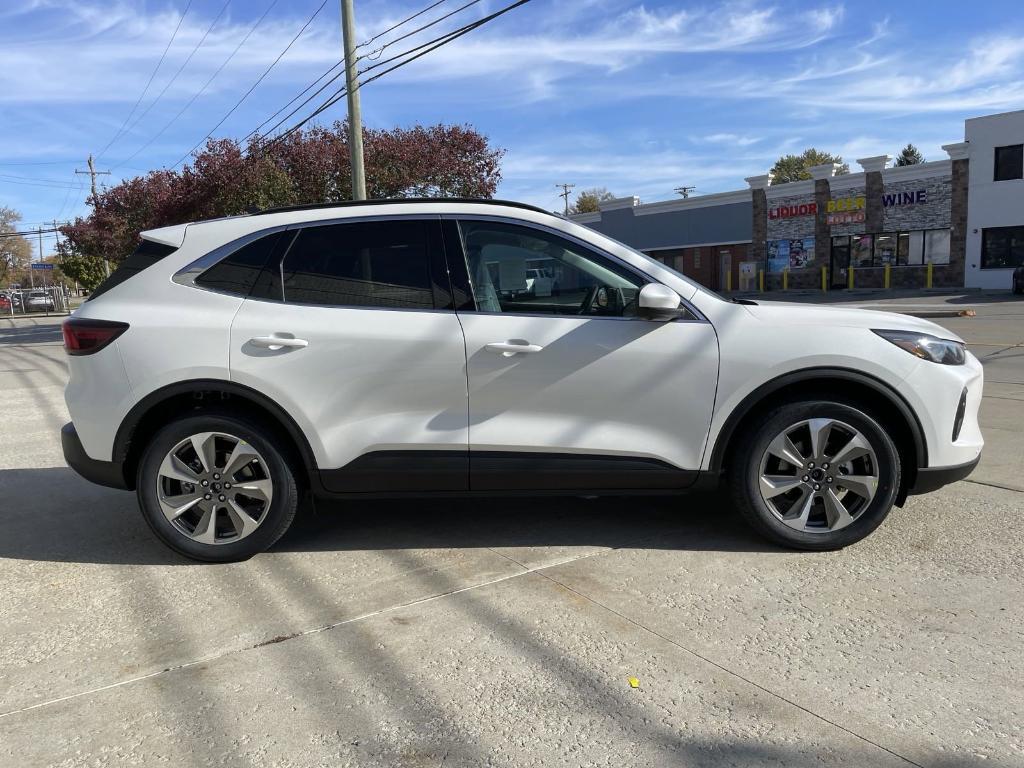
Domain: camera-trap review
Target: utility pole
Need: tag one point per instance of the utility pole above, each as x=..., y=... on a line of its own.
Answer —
x=685, y=191
x=355, y=112
x=93, y=173
x=564, y=194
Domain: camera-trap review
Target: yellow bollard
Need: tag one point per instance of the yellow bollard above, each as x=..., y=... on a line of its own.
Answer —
x=888, y=271
x=824, y=279
x=760, y=280
x=785, y=279
x=928, y=277
x=849, y=278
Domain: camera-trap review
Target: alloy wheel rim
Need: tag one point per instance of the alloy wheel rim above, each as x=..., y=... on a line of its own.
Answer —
x=214, y=488
x=818, y=475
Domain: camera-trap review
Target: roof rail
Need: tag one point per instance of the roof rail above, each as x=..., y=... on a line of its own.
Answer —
x=393, y=200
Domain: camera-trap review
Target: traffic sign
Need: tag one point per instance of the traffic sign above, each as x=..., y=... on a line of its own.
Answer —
x=41, y=265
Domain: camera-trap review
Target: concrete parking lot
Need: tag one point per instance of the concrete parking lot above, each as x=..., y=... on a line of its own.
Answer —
x=504, y=632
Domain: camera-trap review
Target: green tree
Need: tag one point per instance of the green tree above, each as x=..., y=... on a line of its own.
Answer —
x=15, y=251
x=589, y=200
x=88, y=270
x=794, y=167
x=910, y=155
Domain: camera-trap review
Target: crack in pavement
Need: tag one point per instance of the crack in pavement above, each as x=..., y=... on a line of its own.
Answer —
x=293, y=636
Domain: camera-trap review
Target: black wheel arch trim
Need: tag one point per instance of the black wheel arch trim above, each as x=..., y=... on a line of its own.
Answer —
x=126, y=431
x=771, y=387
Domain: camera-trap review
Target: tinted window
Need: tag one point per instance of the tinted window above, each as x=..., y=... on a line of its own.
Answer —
x=237, y=272
x=1009, y=162
x=526, y=270
x=1002, y=247
x=146, y=254
x=366, y=264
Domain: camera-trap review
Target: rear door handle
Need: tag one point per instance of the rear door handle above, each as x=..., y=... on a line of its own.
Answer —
x=509, y=348
x=278, y=342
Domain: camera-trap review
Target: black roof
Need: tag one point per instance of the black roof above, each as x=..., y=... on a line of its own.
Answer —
x=392, y=200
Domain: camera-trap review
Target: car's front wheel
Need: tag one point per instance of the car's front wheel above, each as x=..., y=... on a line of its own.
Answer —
x=816, y=475
x=216, y=488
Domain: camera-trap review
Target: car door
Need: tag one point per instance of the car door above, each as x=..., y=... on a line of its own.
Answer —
x=351, y=329
x=571, y=390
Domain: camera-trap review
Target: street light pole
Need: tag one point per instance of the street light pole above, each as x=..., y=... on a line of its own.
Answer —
x=355, y=116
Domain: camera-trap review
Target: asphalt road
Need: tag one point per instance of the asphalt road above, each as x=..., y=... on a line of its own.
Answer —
x=504, y=632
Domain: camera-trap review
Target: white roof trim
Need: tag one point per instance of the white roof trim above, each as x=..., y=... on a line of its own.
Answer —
x=847, y=181
x=919, y=171
x=790, y=189
x=585, y=218
x=698, y=201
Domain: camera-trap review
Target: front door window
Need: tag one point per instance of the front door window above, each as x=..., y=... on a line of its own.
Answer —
x=521, y=270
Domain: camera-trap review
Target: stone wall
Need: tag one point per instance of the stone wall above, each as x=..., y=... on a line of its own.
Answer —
x=792, y=227
x=934, y=214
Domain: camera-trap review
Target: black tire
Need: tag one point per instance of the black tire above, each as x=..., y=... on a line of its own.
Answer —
x=275, y=520
x=745, y=467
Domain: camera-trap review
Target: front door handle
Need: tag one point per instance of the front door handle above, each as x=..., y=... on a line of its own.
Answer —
x=276, y=342
x=509, y=348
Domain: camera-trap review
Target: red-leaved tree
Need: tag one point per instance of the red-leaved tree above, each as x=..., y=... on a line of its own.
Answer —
x=311, y=166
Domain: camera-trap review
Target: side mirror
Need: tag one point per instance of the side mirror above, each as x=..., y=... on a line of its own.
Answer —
x=659, y=302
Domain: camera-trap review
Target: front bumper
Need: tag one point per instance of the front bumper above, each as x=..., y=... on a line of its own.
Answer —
x=107, y=473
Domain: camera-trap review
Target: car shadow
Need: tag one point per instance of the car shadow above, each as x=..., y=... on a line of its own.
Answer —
x=53, y=515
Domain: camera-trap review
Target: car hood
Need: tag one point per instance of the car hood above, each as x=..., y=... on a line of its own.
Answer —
x=783, y=313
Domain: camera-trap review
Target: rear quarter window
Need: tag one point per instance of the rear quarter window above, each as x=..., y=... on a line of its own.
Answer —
x=146, y=254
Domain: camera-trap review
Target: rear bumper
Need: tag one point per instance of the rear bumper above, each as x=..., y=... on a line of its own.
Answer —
x=108, y=473
x=932, y=478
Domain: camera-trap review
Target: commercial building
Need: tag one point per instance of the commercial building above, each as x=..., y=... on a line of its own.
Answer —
x=947, y=223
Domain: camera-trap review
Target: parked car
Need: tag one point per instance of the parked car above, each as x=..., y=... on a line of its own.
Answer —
x=539, y=283
x=357, y=350
x=39, y=301
x=1018, y=280
x=5, y=302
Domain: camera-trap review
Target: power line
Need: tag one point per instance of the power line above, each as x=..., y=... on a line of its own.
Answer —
x=407, y=35
x=295, y=98
x=423, y=49
x=341, y=62
x=406, y=20
x=254, y=85
x=182, y=67
x=202, y=90
x=41, y=162
x=45, y=185
x=148, y=82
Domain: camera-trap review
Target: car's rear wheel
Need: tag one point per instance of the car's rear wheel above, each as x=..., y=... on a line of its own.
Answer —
x=816, y=475
x=216, y=488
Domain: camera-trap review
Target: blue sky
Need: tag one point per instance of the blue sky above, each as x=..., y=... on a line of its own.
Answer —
x=635, y=97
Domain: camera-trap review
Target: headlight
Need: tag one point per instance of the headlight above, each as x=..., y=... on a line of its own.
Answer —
x=927, y=347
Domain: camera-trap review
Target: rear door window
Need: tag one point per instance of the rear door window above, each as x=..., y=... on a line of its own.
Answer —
x=383, y=264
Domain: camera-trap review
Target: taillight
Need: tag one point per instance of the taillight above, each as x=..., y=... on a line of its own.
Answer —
x=84, y=337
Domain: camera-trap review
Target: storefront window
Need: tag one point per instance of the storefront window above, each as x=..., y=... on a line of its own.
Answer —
x=911, y=249
x=936, y=246
x=885, y=248
x=860, y=246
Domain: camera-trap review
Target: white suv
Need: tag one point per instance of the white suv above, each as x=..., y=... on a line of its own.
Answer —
x=229, y=367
